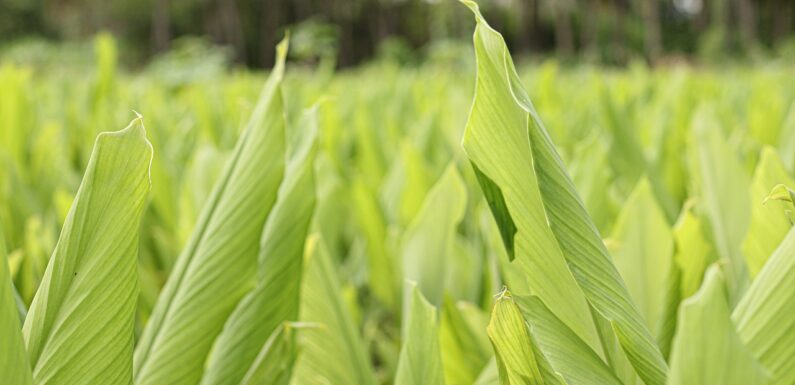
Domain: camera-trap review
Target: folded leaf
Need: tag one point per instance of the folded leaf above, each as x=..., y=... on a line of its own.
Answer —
x=218, y=265
x=519, y=359
x=497, y=144
x=509, y=145
x=724, y=194
x=80, y=325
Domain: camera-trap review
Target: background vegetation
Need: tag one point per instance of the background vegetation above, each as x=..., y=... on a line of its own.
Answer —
x=350, y=31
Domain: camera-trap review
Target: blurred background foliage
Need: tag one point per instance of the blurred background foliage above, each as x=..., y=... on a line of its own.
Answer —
x=347, y=32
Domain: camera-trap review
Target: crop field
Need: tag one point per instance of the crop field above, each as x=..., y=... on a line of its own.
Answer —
x=464, y=221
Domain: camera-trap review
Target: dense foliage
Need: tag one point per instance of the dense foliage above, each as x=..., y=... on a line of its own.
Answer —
x=596, y=227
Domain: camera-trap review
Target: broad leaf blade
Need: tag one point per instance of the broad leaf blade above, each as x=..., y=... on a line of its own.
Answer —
x=80, y=325
x=217, y=267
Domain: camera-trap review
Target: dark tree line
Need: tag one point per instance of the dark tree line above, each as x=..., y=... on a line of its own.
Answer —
x=604, y=30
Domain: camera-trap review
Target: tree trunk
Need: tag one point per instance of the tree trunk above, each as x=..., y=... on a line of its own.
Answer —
x=564, y=35
x=161, y=26
x=652, y=36
x=590, y=28
x=747, y=19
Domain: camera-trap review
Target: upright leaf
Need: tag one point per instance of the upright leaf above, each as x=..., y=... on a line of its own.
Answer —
x=218, y=265
x=567, y=354
x=693, y=251
x=497, y=143
x=642, y=249
x=274, y=362
x=507, y=143
x=519, y=359
x=428, y=241
x=724, y=194
x=275, y=299
x=769, y=220
x=464, y=345
x=420, y=361
x=333, y=352
x=764, y=314
x=80, y=325
x=706, y=348
x=14, y=364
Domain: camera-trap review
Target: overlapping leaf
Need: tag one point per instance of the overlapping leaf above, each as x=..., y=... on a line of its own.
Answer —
x=428, y=241
x=275, y=299
x=218, y=265
x=769, y=220
x=529, y=190
x=333, y=352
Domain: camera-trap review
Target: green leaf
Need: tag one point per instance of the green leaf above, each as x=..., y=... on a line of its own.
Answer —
x=576, y=362
x=642, y=249
x=332, y=353
x=693, y=250
x=724, y=194
x=273, y=364
x=489, y=375
x=562, y=251
x=428, y=241
x=218, y=265
x=275, y=299
x=464, y=345
x=382, y=268
x=706, y=348
x=769, y=220
x=14, y=364
x=764, y=314
x=80, y=325
x=519, y=360
x=420, y=361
